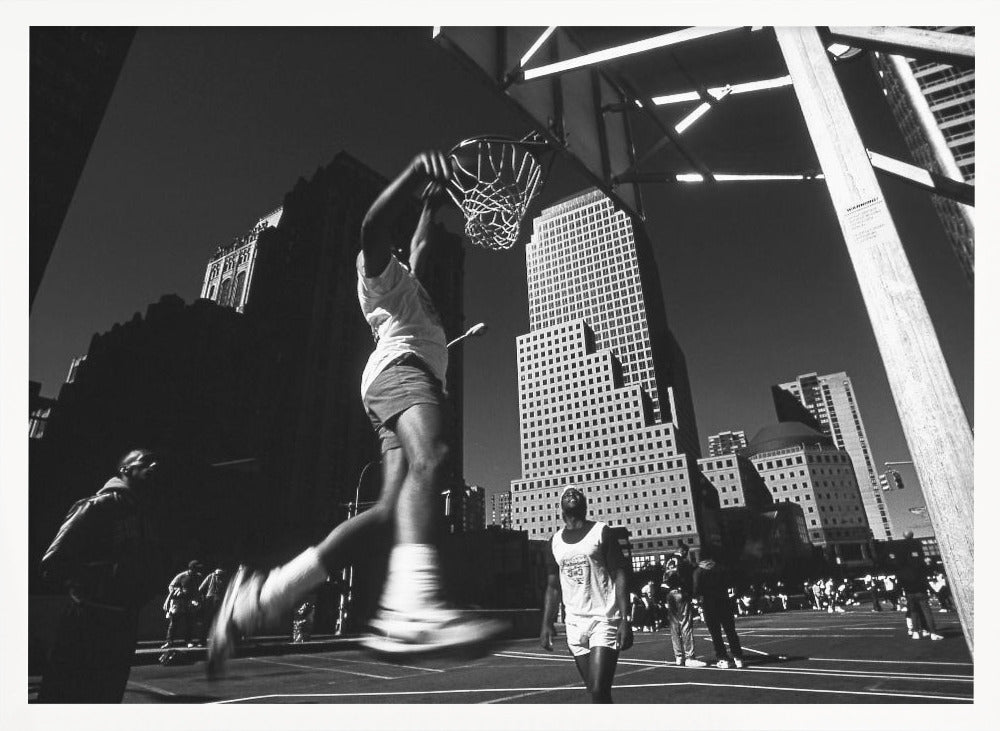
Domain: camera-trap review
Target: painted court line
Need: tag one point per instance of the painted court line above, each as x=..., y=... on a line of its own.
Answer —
x=389, y=665
x=807, y=690
x=576, y=688
x=757, y=669
x=321, y=669
x=153, y=688
x=780, y=633
x=813, y=629
x=872, y=674
x=901, y=662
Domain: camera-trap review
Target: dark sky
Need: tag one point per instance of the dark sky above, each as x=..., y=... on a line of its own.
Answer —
x=208, y=128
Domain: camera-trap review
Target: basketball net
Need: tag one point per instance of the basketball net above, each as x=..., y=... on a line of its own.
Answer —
x=494, y=182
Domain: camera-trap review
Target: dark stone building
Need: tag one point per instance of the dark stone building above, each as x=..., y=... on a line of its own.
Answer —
x=170, y=380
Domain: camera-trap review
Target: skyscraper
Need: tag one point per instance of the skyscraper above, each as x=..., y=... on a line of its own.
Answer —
x=230, y=270
x=726, y=442
x=603, y=394
x=587, y=261
x=832, y=402
x=935, y=107
x=500, y=509
x=800, y=465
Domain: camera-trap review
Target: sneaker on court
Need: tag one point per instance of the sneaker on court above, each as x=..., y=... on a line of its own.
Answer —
x=693, y=662
x=678, y=661
x=915, y=635
x=738, y=662
x=723, y=664
x=435, y=630
x=936, y=636
x=239, y=613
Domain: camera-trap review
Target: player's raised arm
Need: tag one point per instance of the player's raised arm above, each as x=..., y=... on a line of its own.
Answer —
x=377, y=228
x=423, y=234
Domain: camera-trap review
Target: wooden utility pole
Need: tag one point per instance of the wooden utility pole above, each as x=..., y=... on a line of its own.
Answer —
x=936, y=428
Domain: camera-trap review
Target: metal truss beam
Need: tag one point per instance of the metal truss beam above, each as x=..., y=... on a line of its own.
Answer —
x=930, y=45
x=954, y=189
x=628, y=49
x=717, y=92
x=537, y=44
x=665, y=177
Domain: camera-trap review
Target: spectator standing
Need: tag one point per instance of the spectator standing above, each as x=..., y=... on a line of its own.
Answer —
x=637, y=612
x=913, y=581
x=874, y=586
x=782, y=593
x=212, y=590
x=943, y=592
x=108, y=556
x=183, y=606
x=652, y=610
x=677, y=577
x=709, y=585
x=302, y=624
x=891, y=591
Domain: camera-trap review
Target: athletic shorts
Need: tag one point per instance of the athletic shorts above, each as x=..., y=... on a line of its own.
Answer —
x=582, y=633
x=405, y=382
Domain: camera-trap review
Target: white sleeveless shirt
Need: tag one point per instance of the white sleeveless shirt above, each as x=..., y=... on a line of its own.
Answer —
x=403, y=320
x=588, y=589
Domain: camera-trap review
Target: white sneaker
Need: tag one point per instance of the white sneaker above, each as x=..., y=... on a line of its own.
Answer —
x=435, y=630
x=239, y=613
x=693, y=662
x=723, y=664
x=738, y=662
x=678, y=661
x=915, y=635
x=935, y=636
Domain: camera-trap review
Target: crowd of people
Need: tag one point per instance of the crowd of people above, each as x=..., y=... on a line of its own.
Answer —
x=649, y=611
x=679, y=600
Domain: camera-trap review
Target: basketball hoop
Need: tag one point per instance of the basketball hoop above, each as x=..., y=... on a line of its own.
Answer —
x=494, y=181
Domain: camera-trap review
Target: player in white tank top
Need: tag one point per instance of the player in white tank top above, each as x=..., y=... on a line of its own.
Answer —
x=587, y=568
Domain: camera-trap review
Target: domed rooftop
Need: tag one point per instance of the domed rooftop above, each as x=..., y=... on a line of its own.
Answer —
x=786, y=434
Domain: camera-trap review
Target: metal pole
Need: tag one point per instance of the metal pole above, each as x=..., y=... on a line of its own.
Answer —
x=347, y=573
x=476, y=329
x=934, y=423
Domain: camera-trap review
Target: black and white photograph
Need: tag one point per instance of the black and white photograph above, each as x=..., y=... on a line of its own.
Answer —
x=499, y=362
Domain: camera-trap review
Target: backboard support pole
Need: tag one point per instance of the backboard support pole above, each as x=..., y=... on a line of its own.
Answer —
x=934, y=423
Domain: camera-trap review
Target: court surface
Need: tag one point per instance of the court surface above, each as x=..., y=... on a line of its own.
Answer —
x=793, y=657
